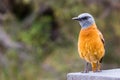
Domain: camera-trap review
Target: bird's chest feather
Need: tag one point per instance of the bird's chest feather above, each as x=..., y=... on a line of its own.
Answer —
x=89, y=43
x=88, y=38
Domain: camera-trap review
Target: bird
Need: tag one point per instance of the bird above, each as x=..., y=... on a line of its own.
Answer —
x=91, y=44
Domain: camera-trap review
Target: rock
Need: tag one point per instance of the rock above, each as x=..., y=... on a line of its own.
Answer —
x=112, y=74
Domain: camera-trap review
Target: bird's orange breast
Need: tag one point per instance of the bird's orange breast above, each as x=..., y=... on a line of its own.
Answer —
x=90, y=46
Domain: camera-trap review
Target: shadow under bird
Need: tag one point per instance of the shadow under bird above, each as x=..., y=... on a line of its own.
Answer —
x=90, y=42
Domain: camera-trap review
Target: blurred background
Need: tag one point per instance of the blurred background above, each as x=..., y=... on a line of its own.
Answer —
x=38, y=38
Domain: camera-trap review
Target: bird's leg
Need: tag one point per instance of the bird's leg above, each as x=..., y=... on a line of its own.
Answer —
x=86, y=69
x=94, y=67
x=98, y=66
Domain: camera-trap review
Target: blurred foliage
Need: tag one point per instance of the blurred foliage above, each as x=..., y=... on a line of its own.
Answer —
x=38, y=35
x=49, y=40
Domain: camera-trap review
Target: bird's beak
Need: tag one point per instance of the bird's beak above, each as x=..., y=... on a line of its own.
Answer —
x=75, y=18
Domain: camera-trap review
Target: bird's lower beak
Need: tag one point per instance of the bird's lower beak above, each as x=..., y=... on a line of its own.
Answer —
x=75, y=18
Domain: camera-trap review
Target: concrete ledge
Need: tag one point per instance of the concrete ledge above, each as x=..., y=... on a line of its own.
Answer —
x=112, y=74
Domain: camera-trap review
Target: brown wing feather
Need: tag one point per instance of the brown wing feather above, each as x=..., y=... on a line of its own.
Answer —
x=101, y=37
x=103, y=41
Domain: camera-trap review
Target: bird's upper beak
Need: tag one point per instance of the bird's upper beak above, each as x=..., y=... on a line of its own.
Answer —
x=75, y=18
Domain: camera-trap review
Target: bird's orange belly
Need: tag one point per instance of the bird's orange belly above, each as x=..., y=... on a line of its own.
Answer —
x=92, y=49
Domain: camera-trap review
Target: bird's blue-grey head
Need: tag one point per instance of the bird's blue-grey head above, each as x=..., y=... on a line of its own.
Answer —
x=85, y=20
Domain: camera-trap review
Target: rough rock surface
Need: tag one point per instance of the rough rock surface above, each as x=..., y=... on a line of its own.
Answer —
x=112, y=74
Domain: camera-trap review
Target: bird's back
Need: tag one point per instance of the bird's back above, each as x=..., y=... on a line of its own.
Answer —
x=90, y=45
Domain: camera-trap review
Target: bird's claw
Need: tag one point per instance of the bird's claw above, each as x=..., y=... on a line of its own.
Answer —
x=85, y=71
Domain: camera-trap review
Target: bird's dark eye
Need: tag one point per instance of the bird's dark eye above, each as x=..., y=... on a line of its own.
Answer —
x=84, y=18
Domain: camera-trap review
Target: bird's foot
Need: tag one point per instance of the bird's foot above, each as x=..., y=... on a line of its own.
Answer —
x=85, y=71
x=97, y=71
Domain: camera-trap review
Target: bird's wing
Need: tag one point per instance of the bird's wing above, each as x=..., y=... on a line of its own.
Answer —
x=103, y=41
x=101, y=37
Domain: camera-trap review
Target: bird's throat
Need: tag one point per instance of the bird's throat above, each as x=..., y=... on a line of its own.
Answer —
x=87, y=25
